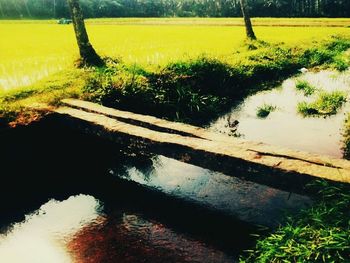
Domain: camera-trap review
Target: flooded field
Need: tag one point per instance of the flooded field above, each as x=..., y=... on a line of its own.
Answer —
x=285, y=126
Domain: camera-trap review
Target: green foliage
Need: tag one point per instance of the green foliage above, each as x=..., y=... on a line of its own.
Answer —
x=346, y=148
x=329, y=54
x=175, y=8
x=174, y=92
x=305, y=87
x=340, y=64
x=264, y=110
x=320, y=233
x=195, y=90
x=19, y=105
x=327, y=103
x=315, y=57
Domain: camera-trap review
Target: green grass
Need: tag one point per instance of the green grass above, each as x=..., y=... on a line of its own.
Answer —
x=265, y=110
x=23, y=105
x=28, y=54
x=192, y=90
x=305, y=87
x=320, y=233
x=327, y=103
x=196, y=90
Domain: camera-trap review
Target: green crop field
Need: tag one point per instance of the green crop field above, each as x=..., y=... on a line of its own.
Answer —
x=31, y=50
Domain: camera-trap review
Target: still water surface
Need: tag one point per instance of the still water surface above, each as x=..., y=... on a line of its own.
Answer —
x=285, y=126
x=86, y=226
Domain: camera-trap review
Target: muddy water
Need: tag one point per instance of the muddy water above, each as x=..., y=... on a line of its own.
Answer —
x=285, y=126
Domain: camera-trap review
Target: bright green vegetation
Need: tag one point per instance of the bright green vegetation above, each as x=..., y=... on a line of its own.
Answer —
x=149, y=43
x=326, y=103
x=305, y=87
x=196, y=90
x=347, y=137
x=264, y=110
x=192, y=90
x=319, y=234
x=26, y=104
x=175, y=8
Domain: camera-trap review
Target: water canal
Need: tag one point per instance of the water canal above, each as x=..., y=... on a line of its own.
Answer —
x=73, y=198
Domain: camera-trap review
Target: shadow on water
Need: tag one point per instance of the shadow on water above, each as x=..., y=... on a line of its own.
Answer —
x=60, y=204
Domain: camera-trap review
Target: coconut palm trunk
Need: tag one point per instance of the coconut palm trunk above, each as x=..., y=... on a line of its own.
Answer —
x=247, y=22
x=87, y=52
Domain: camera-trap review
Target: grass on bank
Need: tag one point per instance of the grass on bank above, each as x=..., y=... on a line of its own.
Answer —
x=326, y=103
x=23, y=105
x=318, y=234
x=192, y=90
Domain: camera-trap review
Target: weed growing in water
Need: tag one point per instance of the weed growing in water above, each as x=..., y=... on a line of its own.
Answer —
x=305, y=87
x=327, y=103
x=264, y=110
x=320, y=233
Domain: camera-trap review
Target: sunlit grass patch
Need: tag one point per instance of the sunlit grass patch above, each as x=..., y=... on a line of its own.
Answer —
x=23, y=105
x=326, y=103
x=32, y=50
x=318, y=234
x=305, y=87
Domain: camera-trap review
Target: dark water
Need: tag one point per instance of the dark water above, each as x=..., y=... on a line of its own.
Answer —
x=245, y=200
x=60, y=204
x=72, y=198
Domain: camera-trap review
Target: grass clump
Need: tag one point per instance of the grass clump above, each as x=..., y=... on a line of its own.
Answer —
x=346, y=136
x=320, y=233
x=179, y=91
x=327, y=103
x=329, y=54
x=265, y=110
x=305, y=87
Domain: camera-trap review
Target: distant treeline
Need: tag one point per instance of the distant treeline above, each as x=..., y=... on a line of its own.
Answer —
x=175, y=8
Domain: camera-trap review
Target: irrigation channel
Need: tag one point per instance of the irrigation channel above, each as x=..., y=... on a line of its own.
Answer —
x=68, y=197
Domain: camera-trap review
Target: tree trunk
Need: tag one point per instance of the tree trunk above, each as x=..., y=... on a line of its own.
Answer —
x=247, y=22
x=87, y=52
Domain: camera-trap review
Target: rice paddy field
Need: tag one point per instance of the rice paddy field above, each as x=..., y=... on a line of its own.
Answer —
x=32, y=50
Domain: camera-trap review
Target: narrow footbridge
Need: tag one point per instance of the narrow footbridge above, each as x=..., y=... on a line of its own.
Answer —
x=280, y=168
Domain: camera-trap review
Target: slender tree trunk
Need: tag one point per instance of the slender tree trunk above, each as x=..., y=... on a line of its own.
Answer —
x=247, y=22
x=87, y=52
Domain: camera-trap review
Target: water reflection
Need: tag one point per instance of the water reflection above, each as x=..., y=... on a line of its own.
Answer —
x=128, y=237
x=41, y=237
x=248, y=201
x=78, y=230
x=285, y=127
